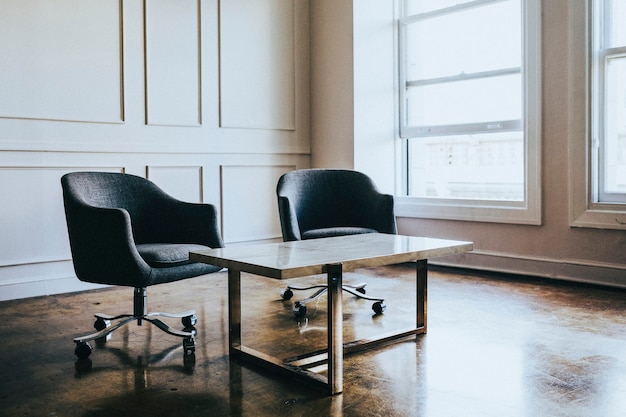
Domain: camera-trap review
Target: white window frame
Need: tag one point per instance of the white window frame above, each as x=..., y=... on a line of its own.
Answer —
x=585, y=209
x=527, y=211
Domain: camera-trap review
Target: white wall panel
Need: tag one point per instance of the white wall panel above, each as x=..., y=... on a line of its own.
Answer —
x=61, y=60
x=257, y=64
x=173, y=94
x=182, y=182
x=249, y=204
x=32, y=218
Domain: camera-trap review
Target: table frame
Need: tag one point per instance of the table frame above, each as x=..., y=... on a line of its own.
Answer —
x=297, y=366
x=304, y=367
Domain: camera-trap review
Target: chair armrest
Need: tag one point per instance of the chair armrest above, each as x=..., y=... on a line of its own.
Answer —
x=381, y=213
x=183, y=222
x=288, y=220
x=102, y=246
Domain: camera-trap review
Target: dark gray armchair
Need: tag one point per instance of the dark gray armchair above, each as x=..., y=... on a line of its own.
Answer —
x=124, y=230
x=319, y=203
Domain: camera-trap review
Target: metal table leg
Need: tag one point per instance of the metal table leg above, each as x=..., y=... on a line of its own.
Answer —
x=421, y=302
x=335, y=329
x=234, y=310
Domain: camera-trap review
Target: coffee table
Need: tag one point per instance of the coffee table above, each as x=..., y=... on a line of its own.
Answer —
x=331, y=256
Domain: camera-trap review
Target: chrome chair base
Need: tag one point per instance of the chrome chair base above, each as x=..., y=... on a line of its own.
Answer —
x=358, y=290
x=105, y=325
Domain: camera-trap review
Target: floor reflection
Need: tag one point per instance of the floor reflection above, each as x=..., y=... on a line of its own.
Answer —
x=495, y=346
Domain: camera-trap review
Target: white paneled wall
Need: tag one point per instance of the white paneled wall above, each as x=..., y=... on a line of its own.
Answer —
x=208, y=100
x=173, y=72
x=54, y=51
x=269, y=26
x=246, y=202
x=182, y=182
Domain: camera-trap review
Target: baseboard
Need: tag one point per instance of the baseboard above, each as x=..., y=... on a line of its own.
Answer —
x=598, y=273
x=574, y=270
x=48, y=285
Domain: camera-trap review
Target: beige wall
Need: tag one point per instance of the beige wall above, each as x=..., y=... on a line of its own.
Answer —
x=353, y=100
x=332, y=84
x=554, y=249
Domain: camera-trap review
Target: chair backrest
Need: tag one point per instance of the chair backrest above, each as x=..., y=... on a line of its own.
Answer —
x=141, y=198
x=326, y=198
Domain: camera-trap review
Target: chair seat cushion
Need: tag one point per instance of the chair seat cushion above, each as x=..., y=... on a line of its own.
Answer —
x=164, y=255
x=335, y=231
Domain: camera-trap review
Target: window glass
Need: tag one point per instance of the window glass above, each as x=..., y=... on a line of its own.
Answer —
x=614, y=140
x=464, y=167
x=463, y=100
x=467, y=41
x=615, y=20
x=610, y=102
x=479, y=100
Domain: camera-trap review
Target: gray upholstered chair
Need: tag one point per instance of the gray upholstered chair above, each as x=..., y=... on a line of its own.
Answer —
x=319, y=203
x=124, y=230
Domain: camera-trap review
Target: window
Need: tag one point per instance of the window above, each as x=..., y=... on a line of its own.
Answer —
x=469, y=109
x=598, y=154
x=609, y=105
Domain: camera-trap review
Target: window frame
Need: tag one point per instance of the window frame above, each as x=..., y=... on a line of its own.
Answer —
x=585, y=208
x=601, y=55
x=527, y=211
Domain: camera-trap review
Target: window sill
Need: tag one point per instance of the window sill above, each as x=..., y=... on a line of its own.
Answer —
x=483, y=211
x=600, y=219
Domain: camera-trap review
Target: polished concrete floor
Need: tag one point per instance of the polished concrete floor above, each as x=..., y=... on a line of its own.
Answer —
x=496, y=346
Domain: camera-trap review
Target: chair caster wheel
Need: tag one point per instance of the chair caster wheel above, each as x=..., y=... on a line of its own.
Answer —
x=83, y=350
x=286, y=294
x=101, y=324
x=299, y=309
x=189, y=346
x=379, y=307
x=189, y=321
x=189, y=361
